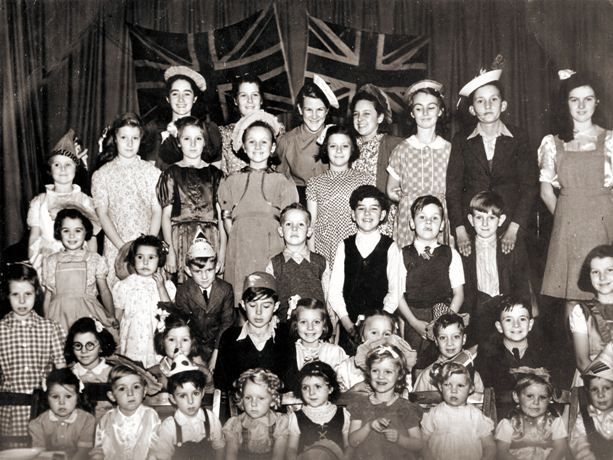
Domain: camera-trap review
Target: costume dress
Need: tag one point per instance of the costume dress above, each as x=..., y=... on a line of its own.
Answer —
x=127, y=188
x=421, y=169
x=314, y=424
x=71, y=278
x=254, y=200
x=331, y=191
x=67, y=435
x=256, y=437
x=192, y=193
x=583, y=216
x=138, y=297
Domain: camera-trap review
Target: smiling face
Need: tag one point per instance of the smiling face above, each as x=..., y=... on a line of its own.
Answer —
x=188, y=398
x=485, y=223
x=314, y=113
x=63, y=169
x=72, y=234
x=128, y=392
x=315, y=391
x=339, y=152
x=601, y=393
x=259, y=312
x=146, y=260
x=191, y=141
x=181, y=98
x=428, y=222
x=425, y=110
x=62, y=400
x=309, y=325
x=22, y=297
x=456, y=389
x=366, y=120
x=601, y=275
x=582, y=103
x=248, y=99
x=257, y=399
x=384, y=374
x=450, y=340
x=515, y=324
x=376, y=327
x=128, y=140
x=368, y=214
x=487, y=104
x=86, y=349
x=533, y=400
x=258, y=146
x=178, y=338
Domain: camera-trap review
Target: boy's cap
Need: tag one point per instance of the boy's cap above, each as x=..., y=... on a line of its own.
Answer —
x=483, y=79
x=260, y=280
x=323, y=86
x=602, y=366
x=180, y=363
x=422, y=84
x=200, y=247
x=187, y=72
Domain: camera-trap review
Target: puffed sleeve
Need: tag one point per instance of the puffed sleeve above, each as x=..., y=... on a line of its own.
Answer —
x=577, y=321
x=483, y=424
x=152, y=182
x=281, y=426
x=294, y=428
x=289, y=193
x=48, y=275
x=102, y=268
x=547, y=161
x=119, y=295
x=504, y=431
x=33, y=219
x=608, y=163
x=232, y=430
x=410, y=414
x=216, y=435
x=427, y=424
x=99, y=188
x=395, y=166
x=165, y=188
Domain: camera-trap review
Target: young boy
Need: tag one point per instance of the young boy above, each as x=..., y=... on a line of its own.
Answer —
x=364, y=276
x=492, y=157
x=297, y=269
x=488, y=270
x=193, y=431
x=260, y=342
x=208, y=300
x=432, y=277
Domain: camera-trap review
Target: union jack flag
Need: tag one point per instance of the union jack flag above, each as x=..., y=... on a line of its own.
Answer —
x=348, y=58
x=252, y=45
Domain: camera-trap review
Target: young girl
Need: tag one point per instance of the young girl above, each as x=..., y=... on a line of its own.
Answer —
x=318, y=419
x=251, y=202
x=136, y=299
x=87, y=344
x=328, y=193
x=187, y=191
x=384, y=425
x=533, y=429
x=259, y=432
x=65, y=426
x=29, y=344
x=124, y=189
x=453, y=428
x=129, y=431
x=74, y=277
x=418, y=166
x=66, y=165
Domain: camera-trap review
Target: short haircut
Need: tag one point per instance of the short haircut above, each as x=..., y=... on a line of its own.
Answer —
x=294, y=207
x=323, y=155
x=200, y=262
x=21, y=272
x=447, y=320
x=495, y=83
x=83, y=326
x=147, y=240
x=120, y=371
x=508, y=303
x=318, y=369
x=599, y=252
x=368, y=191
x=71, y=213
x=448, y=369
x=246, y=78
x=487, y=201
x=310, y=89
x=259, y=293
x=384, y=314
x=423, y=201
x=315, y=305
x=197, y=378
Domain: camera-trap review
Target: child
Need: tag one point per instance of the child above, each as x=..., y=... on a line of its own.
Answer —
x=259, y=432
x=365, y=271
x=533, y=429
x=453, y=428
x=187, y=192
x=74, y=277
x=136, y=299
x=298, y=149
x=489, y=271
x=432, y=274
x=124, y=189
x=298, y=270
x=384, y=425
x=130, y=431
x=87, y=344
x=418, y=166
x=65, y=426
x=251, y=202
x=591, y=436
x=492, y=157
x=29, y=344
x=319, y=418
x=205, y=298
x=259, y=342
x=328, y=193
x=193, y=431
x=66, y=165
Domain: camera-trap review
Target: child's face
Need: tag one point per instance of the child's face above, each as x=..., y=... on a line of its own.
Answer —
x=178, y=338
x=248, y=98
x=295, y=228
x=128, y=392
x=366, y=120
x=450, y=341
x=22, y=297
x=426, y=110
x=204, y=276
x=181, y=98
x=257, y=400
x=582, y=103
x=146, y=260
x=188, y=398
x=515, y=324
x=339, y=151
x=86, y=349
x=72, y=234
x=192, y=142
x=314, y=113
x=428, y=222
x=487, y=104
x=601, y=393
x=310, y=325
x=533, y=400
x=62, y=400
x=368, y=214
x=601, y=275
x=485, y=223
x=63, y=169
x=315, y=391
x=456, y=389
x=259, y=312
x=384, y=374
x=128, y=140
x=258, y=146
x=376, y=327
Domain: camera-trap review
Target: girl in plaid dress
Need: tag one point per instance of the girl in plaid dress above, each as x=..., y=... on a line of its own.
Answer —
x=30, y=345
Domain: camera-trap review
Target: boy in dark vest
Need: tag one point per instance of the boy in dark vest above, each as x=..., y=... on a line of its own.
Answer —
x=365, y=273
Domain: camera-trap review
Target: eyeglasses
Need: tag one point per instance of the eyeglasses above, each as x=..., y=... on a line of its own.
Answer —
x=89, y=346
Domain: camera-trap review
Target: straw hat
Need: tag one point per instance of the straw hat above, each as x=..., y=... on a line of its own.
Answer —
x=187, y=72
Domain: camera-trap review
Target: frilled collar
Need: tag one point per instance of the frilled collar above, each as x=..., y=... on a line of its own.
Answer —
x=98, y=370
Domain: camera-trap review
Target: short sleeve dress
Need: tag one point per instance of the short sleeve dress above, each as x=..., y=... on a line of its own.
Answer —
x=66, y=435
x=256, y=437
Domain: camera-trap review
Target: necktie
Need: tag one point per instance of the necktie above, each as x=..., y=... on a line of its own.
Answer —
x=205, y=294
x=516, y=354
x=427, y=253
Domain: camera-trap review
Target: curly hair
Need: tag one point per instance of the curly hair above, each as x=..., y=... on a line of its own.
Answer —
x=447, y=320
x=388, y=352
x=313, y=305
x=83, y=326
x=369, y=191
x=322, y=370
x=446, y=370
x=258, y=376
x=146, y=240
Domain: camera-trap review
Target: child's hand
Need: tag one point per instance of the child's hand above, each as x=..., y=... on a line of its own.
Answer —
x=509, y=238
x=159, y=279
x=221, y=266
x=171, y=261
x=421, y=328
x=380, y=424
x=463, y=241
x=391, y=435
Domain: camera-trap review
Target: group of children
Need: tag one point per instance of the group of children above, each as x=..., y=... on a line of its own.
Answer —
x=306, y=281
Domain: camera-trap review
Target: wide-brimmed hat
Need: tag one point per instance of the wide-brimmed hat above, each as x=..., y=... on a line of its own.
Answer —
x=248, y=120
x=187, y=72
x=153, y=385
x=382, y=344
x=422, y=84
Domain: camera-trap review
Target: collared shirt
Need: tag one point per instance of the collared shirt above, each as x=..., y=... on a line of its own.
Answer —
x=489, y=142
x=487, y=266
x=98, y=374
x=603, y=421
x=521, y=348
x=258, y=342
x=298, y=257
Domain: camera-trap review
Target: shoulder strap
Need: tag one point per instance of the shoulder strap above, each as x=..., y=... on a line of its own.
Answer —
x=179, y=433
